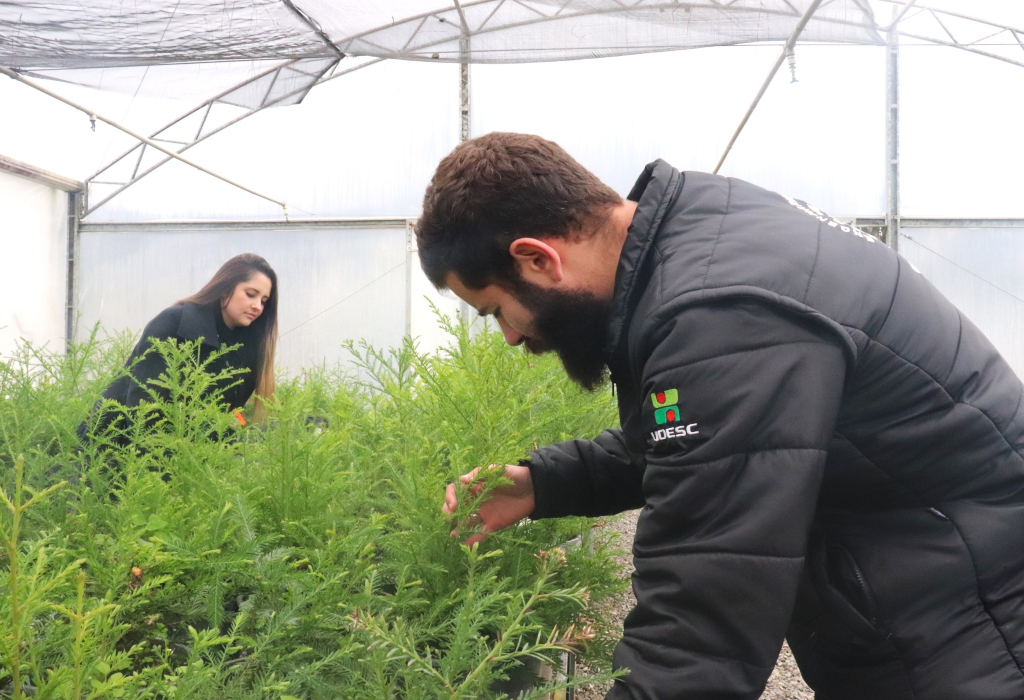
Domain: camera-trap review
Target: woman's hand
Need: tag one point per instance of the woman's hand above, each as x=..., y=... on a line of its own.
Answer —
x=506, y=506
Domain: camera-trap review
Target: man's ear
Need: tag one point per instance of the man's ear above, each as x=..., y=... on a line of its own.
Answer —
x=538, y=261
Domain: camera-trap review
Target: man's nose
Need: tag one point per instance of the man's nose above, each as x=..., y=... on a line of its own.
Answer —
x=512, y=336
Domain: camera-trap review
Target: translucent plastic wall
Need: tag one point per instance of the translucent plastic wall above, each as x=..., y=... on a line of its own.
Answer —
x=33, y=254
x=961, y=141
x=961, y=148
x=335, y=285
x=979, y=270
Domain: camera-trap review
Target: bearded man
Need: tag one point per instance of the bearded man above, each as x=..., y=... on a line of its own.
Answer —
x=824, y=448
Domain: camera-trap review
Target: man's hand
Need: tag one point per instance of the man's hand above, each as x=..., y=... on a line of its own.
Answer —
x=506, y=506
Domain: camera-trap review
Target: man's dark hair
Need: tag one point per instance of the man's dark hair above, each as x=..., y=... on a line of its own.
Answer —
x=494, y=189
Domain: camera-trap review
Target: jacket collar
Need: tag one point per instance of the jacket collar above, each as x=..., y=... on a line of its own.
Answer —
x=198, y=322
x=655, y=189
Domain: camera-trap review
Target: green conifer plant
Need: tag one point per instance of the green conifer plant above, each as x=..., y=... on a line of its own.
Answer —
x=176, y=554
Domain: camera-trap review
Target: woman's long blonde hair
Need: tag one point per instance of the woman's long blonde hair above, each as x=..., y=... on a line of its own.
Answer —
x=235, y=271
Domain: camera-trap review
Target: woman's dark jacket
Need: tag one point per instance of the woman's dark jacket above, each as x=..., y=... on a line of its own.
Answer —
x=824, y=448
x=187, y=322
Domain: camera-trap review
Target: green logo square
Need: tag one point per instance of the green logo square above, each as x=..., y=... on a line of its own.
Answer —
x=665, y=398
x=668, y=414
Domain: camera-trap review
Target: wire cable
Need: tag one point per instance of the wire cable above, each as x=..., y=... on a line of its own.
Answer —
x=338, y=303
x=955, y=264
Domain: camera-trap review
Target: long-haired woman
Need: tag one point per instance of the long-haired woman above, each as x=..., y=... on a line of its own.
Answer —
x=238, y=306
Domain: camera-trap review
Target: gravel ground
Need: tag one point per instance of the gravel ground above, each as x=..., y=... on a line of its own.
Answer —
x=785, y=682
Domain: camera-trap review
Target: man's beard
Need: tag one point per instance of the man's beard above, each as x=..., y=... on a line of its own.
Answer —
x=574, y=325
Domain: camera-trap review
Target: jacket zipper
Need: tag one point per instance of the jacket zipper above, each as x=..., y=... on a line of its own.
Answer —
x=873, y=619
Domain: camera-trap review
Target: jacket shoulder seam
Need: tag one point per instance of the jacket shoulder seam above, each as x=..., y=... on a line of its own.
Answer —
x=718, y=236
x=895, y=290
x=956, y=353
x=814, y=265
x=1020, y=397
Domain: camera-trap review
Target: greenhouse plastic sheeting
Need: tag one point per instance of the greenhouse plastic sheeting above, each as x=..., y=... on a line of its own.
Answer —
x=33, y=238
x=102, y=43
x=504, y=31
x=100, y=33
x=335, y=285
x=74, y=38
x=979, y=271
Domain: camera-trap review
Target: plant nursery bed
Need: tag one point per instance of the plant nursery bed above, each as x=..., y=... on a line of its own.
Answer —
x=184, y=556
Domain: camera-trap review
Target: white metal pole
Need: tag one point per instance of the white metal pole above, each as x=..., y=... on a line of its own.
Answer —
x=71, y=271
x=465, y=111
x=410, y=259
x=892, y=137
x=787, y=49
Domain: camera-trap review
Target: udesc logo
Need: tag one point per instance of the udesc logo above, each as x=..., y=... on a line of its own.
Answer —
x=666, y=411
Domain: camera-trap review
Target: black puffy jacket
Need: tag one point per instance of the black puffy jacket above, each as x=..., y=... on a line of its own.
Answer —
x=184, y=322
x=825, y=450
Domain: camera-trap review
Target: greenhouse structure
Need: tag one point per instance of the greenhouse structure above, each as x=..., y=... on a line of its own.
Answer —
x=294, y=546
x=904, y=118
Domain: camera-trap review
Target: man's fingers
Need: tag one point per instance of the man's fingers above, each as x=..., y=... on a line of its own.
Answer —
x=479, y=537
x=451, y=504
x=471, y=476
x=451, y=500
x=473, y=520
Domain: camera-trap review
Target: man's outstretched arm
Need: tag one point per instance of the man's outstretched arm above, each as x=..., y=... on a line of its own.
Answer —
x=586, y=477
x=577, y=477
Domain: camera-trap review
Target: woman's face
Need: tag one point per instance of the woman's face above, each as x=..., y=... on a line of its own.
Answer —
x=246, y=303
